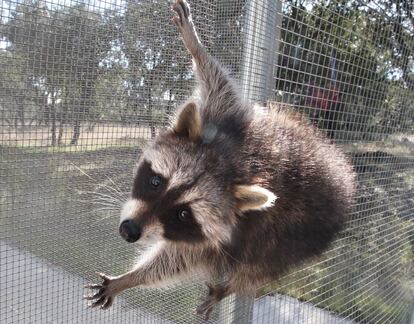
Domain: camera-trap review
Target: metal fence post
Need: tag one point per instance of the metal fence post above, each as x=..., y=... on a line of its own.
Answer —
x=411, y=318
x=262, y=21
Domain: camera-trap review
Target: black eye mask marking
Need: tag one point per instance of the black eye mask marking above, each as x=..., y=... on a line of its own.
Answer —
x=178, y=220
x=180, y=225
x=147, y=184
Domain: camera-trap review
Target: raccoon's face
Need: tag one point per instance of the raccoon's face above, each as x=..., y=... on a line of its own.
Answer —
x=177, y=195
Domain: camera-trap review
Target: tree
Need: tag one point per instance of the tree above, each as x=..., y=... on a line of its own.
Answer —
x=352, y=45
x=87, y=35
x=62, y=50
x=16, y=90
x=158, y=65
x=391, y=24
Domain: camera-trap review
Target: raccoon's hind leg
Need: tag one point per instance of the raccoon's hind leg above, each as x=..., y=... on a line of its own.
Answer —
x=212, y=76
x=217, y=92
x=188, y=32
x=215, y=294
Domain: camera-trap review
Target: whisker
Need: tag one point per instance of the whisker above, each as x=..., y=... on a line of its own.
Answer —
x=99, y=194
x=99, y=199
x=112, y=190
x=109, y=188
x=83, y=172
x=106, y=200
x=122, y=193
x=99, y=210
x=101, y=202
x=104, y=217
x=104, y=196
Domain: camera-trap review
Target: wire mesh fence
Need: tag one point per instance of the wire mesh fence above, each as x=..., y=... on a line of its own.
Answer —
x=85, y=84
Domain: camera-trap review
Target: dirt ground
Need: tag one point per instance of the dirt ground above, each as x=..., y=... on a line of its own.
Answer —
x=98, y=135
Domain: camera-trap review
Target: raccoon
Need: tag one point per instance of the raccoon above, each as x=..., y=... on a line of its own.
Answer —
x=228, y=191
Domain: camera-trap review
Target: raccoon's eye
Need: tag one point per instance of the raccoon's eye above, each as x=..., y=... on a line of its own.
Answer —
x=155, y=182
x=184, y=215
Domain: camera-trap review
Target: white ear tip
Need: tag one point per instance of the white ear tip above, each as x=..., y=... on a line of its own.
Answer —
x=271, y=197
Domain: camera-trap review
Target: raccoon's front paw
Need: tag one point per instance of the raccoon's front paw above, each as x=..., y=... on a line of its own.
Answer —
x=106, y=292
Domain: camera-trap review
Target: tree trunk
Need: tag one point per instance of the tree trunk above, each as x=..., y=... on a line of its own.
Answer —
x=151, y=121
x=60, y=135
x=21, y=113
x=76, y=130
x=62, y=118
x=53, y=129
x=3, y=116
x=86, y=101
x=152, y=129
x=169, y=107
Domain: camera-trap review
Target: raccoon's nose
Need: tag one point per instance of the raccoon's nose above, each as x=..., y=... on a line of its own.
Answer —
x=130, y=231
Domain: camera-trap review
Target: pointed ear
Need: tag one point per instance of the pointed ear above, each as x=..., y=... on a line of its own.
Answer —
x=252, y=197
x=188, y=122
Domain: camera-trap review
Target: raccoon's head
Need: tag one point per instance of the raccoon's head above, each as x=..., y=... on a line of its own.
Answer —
x=181, y=192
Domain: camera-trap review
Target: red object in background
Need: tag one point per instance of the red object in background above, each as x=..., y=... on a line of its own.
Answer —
x=322, y=98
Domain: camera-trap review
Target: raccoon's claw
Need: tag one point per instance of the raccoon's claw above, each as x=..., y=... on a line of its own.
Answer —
x=206, y=308
x=182, y=9
x=92, y=286
x=105, y=295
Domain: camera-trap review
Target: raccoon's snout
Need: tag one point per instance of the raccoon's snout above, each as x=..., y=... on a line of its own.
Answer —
x=130, y=231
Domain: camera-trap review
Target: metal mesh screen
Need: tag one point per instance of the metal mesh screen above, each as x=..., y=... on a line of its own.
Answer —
x=84, y=85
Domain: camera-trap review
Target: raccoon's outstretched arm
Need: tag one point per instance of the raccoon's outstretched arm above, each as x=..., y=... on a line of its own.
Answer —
x=217, y=91
x=157, y=266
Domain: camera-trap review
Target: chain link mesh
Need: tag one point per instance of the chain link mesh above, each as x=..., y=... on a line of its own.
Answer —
x=85, y=84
